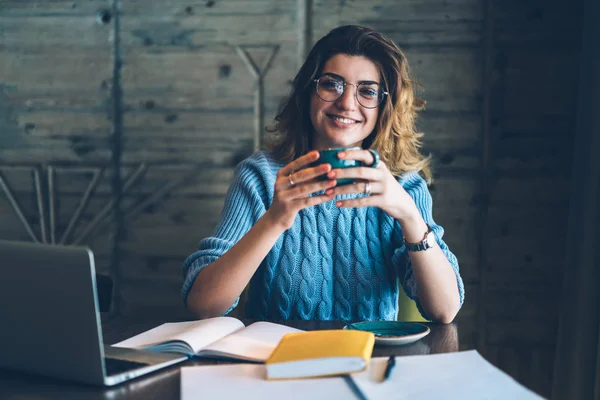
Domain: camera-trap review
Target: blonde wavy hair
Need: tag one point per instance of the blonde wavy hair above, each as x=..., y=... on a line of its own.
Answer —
x=394, y=136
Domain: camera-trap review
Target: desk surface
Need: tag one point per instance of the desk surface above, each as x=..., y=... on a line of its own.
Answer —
x=164, y=384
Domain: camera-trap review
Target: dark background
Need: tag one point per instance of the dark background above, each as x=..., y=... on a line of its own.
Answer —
x=121, y=123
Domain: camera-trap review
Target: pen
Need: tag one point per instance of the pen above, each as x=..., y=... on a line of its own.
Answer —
x=354, y=387
x=391, y=362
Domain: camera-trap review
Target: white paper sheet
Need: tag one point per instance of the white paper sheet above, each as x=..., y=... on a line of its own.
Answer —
x=247, y=381
x=463, y=375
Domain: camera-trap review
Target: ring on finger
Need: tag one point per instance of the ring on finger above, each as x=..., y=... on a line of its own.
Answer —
x=290, y=180
x=368, y=188
x=375, y=155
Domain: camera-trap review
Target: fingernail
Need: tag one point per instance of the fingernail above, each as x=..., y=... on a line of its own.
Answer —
x=331, y=174
x=329, y=192
x=338, y=203
x=341, y=154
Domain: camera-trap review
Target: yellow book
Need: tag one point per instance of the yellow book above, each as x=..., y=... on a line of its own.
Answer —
x=320, y=353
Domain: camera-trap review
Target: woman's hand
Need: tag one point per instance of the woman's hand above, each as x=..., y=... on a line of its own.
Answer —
x=295, y=182
x=434, y=276
x=385, y=191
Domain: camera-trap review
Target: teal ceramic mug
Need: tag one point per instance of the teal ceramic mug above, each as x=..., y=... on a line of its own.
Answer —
x=330, y=156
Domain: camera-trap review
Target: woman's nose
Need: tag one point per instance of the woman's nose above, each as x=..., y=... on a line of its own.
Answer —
x=348, y=99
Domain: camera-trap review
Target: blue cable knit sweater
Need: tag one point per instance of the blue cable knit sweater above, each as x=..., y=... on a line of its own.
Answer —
x=332, y=264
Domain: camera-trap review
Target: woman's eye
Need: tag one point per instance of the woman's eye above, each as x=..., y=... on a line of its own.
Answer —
x=368, y=92
x=331, y=84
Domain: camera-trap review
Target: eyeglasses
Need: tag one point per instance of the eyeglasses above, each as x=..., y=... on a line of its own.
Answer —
x=368, y=94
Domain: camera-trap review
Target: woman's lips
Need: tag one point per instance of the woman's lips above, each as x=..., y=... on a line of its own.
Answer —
x=340, y=121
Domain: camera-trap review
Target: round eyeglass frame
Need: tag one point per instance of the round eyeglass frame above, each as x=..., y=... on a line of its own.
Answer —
x=316, y=81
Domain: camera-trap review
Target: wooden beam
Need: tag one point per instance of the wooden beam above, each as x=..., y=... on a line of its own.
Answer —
x=484, y=197
x=16, y=207
x=258, y=73
x=305, y=18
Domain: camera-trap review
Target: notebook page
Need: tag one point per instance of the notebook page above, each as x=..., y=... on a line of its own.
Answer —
x=255, y=342
x=463, y=375
x=247, y=381
x=197, y=334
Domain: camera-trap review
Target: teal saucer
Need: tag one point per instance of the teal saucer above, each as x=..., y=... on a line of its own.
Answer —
x=392, y=333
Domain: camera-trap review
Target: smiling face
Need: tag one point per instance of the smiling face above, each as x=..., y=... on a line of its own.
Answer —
x=344, y=123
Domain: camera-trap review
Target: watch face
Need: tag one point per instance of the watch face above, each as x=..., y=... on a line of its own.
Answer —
x=430, y=240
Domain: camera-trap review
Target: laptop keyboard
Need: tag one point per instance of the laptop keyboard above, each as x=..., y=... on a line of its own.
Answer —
x=115, y=366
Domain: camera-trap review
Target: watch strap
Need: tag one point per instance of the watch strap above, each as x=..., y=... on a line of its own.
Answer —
x=424, y=244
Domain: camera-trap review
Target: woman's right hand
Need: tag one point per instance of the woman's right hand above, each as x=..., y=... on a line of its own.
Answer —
x=295, y=182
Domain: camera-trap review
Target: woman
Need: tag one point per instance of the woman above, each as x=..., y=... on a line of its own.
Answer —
x=314, y=250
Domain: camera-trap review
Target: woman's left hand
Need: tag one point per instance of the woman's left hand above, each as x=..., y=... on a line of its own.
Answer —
x=385, y=191
x=436, y=281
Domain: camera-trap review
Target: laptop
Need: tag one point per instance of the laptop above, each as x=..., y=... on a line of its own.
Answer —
x=49, y=318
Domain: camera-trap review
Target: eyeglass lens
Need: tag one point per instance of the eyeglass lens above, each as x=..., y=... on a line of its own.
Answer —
x=369, y=95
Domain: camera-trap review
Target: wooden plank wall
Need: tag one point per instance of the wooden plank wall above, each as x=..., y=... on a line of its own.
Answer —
x=56, y=68
x=168, y=86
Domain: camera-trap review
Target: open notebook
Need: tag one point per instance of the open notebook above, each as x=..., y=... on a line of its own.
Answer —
x=220, y=337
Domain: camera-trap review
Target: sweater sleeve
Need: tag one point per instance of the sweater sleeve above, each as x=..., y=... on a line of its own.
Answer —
x=245, y=202
x=416, y=187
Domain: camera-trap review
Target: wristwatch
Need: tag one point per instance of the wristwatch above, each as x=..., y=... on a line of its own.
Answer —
x=426, y=243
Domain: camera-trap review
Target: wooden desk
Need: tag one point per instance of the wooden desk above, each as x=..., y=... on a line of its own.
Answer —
x=164, y=384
